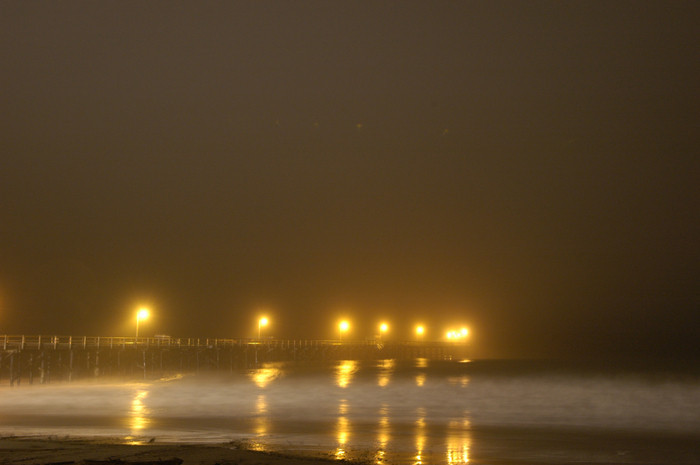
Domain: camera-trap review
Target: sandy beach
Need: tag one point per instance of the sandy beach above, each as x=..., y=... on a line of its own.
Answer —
x=82, y=451
x=66, y=451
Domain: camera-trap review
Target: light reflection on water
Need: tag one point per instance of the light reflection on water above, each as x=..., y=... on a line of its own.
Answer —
x=420, y=435
x=386, y=369
x=458, y=442
x=262, y=423
x=138, y=416
x=383, y=434
x=461, y=381
x=264, y=376
x=342, y=429
x=344, y=372
x=414, y=413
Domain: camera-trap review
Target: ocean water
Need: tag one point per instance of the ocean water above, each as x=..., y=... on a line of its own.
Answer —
x=394, y=412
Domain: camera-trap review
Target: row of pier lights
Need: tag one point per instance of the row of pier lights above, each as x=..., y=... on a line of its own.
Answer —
x=343, y=327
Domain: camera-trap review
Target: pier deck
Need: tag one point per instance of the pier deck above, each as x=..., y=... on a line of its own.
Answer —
x=66, y=358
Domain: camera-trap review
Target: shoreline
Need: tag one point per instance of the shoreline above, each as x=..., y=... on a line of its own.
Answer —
x=47, y=450
x=610, y=449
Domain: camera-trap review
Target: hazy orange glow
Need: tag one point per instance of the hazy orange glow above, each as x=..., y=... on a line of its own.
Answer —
x=264, y=376
x=463, y=333
x=138, y=417
x=345, y=371
x=344, y=326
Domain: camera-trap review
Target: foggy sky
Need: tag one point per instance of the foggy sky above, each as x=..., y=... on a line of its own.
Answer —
x=529, y=169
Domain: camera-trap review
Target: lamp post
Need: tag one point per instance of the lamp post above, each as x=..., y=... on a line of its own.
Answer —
x=461, y=334
x=383, y=328
x=342, y=327
x=261, y=322
x=142, y=314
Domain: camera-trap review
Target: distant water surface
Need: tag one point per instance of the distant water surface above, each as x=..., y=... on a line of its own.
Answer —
x=387, y=411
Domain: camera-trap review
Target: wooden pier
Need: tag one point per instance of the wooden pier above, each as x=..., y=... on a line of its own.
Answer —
x=43, y=359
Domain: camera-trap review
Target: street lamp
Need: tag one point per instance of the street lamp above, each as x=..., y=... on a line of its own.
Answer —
x=142, y=314
x=383, y=328
x=420, y=330
x=343, y=327
x=261, y=322
x=462, y=334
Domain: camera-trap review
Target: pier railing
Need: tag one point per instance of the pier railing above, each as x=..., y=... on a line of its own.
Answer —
x=41, y=342
x=71, y=357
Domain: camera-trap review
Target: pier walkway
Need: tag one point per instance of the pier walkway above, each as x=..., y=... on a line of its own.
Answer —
x=65, y=358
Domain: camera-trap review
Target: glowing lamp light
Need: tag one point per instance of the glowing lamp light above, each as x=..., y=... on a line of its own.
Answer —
x=383, y=328
x=420, y=330
x=261, y=323
x=142, y=314
x=343, y=327
x=461, y=334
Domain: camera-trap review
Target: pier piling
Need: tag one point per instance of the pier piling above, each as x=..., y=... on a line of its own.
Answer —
x=61, y=358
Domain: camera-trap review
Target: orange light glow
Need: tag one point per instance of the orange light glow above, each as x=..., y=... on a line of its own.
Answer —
x=463, y=333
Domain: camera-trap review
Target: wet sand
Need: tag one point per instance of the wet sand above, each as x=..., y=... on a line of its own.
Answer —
x=69, y=451
x=382, y=413
x=611, y=451
x=44, y=451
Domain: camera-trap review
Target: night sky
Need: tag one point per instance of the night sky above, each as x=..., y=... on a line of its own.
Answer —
x=529, y=169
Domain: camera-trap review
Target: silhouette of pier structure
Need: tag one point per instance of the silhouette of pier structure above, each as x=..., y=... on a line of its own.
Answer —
x=43, y=359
